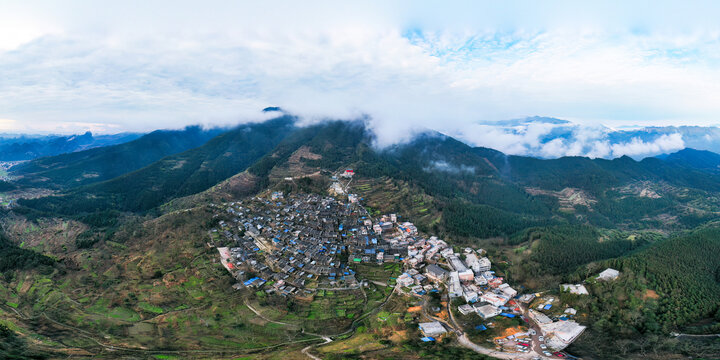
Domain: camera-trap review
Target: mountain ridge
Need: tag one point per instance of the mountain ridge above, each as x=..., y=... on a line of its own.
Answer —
x=20, y=148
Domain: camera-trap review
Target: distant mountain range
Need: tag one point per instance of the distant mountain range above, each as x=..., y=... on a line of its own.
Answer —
x=547, y=137
x=146, y=201
x=25, y=147
x=536, y=136
x=159, y=167
x=102, y=163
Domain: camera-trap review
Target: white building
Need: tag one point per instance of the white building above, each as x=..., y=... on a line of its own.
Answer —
x=445, y=252
x=456, y=263
x=570, y=311
x=608, y=275
x=488, y=311
x=473, y=262
x=432, y=328
x=454, y=287
x=377, y=228
x=466, y=275
x=488, y=275
x=484, y=264
x=470, y=295
x=578, y=289
x=405, y=280
x=494, y=299
x=507, y=290
x=560, y=334
x=539, y=317
x=465, y=309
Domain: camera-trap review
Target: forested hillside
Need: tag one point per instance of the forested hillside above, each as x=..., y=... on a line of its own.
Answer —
x=473, y=185
x=597, y=175
x=664, y=288
x=13, y=257
x=99, y=164
x=696, y=159
x=174, y=176
x=543, y=222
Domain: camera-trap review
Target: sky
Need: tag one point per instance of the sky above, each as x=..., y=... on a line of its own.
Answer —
x=455, y=67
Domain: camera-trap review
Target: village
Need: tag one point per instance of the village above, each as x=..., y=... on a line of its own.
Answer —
x=293, y=245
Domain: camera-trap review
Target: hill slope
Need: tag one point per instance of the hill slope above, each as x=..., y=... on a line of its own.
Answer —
x=696, y=159
x=488, y=193
x=27, y=148
x=174, y=176
x=99, y=164
x=149, y=267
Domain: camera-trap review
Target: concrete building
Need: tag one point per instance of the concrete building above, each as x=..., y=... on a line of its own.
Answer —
x=465, y=309
x=405, y=280
x=456, y=263
x=560, y=334
x=488, y=311
x=608, y=275
x=470, y=295
x=473, y=262
x=466, y=275
x=436, y=273
x=507, y=290
x=526, y=298
x=433, y=328
x=578, y=289
x=494, y=299
x=539, y=317
x=485, y=264
x=570, y=311
x=454, y=287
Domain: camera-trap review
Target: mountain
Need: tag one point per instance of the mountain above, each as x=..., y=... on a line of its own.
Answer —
x=547, y=137
x=28, y=148
x=103, y=163
x=492, y=194
x=597, y=175
x=132, y=251
x=489, y=193
x=178, y=175
x=695, y=159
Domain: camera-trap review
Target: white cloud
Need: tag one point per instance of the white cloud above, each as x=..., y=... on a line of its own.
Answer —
x=140, y=66
x=637, y=147
x=444, y=166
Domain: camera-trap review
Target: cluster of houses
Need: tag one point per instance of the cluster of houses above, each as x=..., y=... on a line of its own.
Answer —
x=4, y=167
x=282, y=243
x=291, y=240
x=466, y=275
x=469, y=276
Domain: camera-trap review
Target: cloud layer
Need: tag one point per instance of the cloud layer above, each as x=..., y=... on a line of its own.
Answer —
x=408, y=66
x=552, y=138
